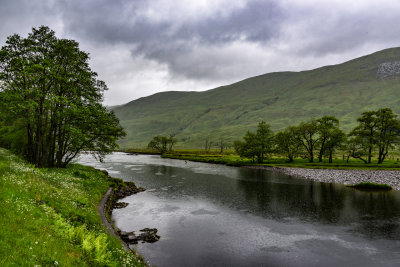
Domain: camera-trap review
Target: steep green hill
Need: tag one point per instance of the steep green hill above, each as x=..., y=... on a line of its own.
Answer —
x=281, y=99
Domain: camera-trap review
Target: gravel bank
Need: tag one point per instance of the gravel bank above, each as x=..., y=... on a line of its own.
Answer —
x=347, y=177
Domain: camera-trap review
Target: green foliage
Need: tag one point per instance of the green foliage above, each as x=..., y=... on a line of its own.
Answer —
x=377, y=129
x=286, y=143
x=50, y=101
x=94, y=245
x=330, y=136
x=39, y=210
x=162, y=143
x=277, y=161
x=335, y=141
x=281, y=99
x=306, y=134
x=256, y=145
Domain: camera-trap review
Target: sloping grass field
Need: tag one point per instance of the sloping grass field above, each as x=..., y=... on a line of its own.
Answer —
x=280, y=99
x=49, y=217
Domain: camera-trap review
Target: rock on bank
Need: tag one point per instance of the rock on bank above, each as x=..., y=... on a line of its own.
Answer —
x=347, y=177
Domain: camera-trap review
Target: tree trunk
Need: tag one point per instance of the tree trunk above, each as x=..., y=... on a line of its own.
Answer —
x=321, y=151
x=311, y=159
x=369, y=154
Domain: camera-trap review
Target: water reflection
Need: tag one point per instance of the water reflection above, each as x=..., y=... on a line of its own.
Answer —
x=374, y=214
x=212, y=215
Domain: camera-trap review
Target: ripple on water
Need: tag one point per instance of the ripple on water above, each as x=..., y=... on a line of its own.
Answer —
x=204, y=212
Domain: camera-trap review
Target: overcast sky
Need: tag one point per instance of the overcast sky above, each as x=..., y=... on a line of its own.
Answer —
x=140, y=47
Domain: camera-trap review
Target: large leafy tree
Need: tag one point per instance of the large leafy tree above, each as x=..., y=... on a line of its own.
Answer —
x=388, y=130
x=327, y=126
x=51, y=99
x=377, y=130
x=306, y=134
x=335, y=140
x=366, y=131
x=162, y=143
x=248, y=148
x=256, y=145
x=265, y=139
x=286, y=143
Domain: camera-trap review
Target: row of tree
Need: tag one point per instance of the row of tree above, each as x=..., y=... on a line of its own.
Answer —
x=377, y=132
x=50, y=101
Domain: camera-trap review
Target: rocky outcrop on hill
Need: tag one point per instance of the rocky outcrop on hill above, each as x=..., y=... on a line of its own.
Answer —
x=388, y=69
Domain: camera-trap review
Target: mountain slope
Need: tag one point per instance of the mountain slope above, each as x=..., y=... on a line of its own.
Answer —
x=281, y=99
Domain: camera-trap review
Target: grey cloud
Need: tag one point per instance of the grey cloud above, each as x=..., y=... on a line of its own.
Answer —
x=235, y=42
x=19, y=16
x=326, y=31
x=168, y=41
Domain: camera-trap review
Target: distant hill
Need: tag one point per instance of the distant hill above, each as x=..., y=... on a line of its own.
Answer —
x=281, y=99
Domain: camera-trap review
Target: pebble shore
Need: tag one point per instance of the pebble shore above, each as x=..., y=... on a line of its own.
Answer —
x=347, y=177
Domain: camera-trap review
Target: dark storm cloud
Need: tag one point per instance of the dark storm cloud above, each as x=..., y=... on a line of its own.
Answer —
x=114, y=21
x=166, y=41
x=320, y=29
x=323, y=29
x=157, y=45
x=19, y=16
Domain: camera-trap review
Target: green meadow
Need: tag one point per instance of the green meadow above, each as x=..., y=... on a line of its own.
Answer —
x=49, y=217
x=230, y=158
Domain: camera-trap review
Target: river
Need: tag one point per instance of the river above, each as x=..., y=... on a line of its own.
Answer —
x=215, y=215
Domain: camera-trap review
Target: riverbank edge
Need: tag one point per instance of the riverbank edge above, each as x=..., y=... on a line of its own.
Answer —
x=238, y=162
x=105, y=208
x=330, y=175
x=102, y=209
x=345, y=177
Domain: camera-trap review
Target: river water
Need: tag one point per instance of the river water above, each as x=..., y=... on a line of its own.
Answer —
x=215, y=215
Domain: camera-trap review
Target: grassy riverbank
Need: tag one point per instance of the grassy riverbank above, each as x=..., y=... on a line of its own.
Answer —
x=235, y=160
x=49, y=217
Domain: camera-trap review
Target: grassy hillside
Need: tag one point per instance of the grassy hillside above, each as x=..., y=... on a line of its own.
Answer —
x=281, y=99
x=49, y=217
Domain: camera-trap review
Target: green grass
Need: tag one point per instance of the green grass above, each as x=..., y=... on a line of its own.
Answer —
x=145, y=151
x=371, y=186
x=49, y=217
x=280, y=99
x=276, y=161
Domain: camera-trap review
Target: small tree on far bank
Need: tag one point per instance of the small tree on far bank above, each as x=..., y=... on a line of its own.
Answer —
x=162, y=143
x=377, y=130
x=355, y=147
x=366, y=131
x=336, y=138
x=286, y=143
x=328, y=126
x=248, y=148
x=171, y=142
x=207, y=144
x=388, y=130
x=256, y=145
x=307, y=136
x=221, y=145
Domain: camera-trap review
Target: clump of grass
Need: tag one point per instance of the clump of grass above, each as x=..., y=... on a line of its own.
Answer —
x=371, y=186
